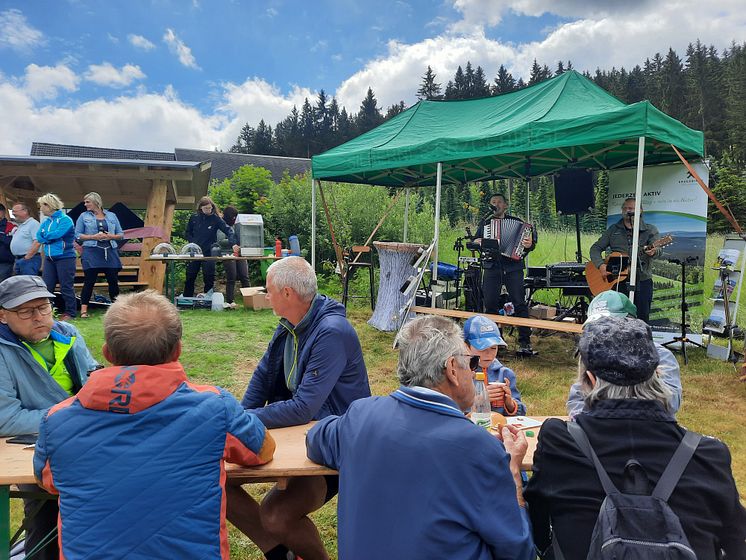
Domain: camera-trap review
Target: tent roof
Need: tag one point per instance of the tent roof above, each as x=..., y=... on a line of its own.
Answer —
x=128, y=181
x=567, y=121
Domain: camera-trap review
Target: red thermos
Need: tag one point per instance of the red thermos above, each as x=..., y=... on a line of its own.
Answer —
x=278, y=247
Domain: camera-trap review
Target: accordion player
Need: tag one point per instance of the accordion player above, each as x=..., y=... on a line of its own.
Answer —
x=506, y=236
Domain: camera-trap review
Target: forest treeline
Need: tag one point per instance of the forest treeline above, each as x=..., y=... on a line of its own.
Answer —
x=705, y=89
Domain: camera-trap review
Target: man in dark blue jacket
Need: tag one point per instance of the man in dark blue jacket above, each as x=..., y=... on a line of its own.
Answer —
x=313, y=368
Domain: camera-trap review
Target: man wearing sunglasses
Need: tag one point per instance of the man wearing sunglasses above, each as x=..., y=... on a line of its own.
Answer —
x=417, y=479
x=42, y=362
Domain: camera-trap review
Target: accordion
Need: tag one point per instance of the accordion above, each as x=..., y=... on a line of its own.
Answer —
x=506, y=236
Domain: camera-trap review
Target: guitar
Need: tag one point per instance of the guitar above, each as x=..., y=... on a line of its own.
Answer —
x=617, y=268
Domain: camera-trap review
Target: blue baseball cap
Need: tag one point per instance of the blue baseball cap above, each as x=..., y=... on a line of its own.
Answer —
x=481, y=333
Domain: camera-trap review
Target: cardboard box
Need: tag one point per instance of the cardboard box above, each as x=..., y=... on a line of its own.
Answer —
x=255, y=298
x=541, y=311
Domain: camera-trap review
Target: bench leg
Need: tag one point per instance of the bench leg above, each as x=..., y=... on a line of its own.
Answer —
x=4, y=522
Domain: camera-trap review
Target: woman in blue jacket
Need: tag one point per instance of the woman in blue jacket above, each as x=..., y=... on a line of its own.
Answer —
x=56, y=234
x=98, y=231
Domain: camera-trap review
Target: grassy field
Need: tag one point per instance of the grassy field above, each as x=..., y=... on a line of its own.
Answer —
x=223, y=349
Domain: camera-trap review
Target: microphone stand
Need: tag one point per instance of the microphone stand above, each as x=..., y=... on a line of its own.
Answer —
x=683, y=339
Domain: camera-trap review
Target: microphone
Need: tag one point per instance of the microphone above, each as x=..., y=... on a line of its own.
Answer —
x=493, y=207
x=630, y=214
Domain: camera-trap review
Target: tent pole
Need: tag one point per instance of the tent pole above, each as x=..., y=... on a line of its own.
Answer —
x=313, y=223
x=406, y=214
x=636, y=225
x=528, y=209
x=436, y=235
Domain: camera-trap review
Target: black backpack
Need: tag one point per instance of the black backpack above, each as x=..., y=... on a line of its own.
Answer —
x=634, y=526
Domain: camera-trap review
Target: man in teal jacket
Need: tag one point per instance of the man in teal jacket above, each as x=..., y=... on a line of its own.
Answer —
x=42, y=362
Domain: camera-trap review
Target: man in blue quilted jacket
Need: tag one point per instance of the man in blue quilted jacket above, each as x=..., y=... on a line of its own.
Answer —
x=313, y=368
x=138, y=455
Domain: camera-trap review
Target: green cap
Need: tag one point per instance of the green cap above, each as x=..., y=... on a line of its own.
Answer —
x=611, y=304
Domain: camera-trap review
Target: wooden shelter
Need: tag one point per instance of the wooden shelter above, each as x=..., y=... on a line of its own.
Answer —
x=160, y=187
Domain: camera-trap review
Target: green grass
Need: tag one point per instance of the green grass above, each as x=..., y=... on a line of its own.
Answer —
x=223, y=349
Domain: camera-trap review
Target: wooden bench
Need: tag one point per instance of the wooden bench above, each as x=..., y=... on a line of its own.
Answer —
x=560, y=326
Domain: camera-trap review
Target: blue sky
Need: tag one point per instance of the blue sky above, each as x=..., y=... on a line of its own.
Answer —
x=156, y=74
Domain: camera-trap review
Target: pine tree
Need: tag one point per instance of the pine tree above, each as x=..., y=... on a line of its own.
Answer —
x=245, y=140
x=504, y=82
x=429, y=89
x=262, y=139
x=560, y=69
x=308, y=129
x=369, y=115
x=480, y=87
x=395, y=109
x=673, y=85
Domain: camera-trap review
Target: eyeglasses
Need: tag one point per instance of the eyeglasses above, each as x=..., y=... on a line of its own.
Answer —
x=28, y=312
x=473, y=361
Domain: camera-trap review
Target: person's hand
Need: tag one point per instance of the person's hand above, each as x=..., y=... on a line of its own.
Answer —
x=602, y=270
x=236, y=250
x=28, y=256
x=496, y=392
x=515, y=444
x=527, y=243
x=651, y=252
x=478, y=241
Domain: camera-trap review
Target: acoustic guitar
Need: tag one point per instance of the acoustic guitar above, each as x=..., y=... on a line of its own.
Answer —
x=617, y=268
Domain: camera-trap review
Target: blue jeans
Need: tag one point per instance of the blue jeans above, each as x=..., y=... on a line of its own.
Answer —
x=30, y=266
x=62, y=271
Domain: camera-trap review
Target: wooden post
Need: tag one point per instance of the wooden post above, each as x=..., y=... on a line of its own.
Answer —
x=155, y=216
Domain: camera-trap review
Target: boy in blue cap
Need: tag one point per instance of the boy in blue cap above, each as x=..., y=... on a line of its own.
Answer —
x=484, y=340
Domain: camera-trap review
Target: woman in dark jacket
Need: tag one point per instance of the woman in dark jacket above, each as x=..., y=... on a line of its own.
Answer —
x=628, y=418
x=202, y=229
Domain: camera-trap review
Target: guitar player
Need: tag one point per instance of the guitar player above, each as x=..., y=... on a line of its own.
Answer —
x=618, y=237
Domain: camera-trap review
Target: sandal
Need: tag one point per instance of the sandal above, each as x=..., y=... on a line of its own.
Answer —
x=84, y=315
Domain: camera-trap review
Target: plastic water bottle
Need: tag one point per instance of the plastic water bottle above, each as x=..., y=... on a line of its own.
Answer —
x=217, y=301
x=480, y=410
x=294, y=245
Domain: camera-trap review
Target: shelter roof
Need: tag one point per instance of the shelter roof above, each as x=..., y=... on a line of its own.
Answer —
x=128, y=181
x=70, y=150
x=225, y=163
x=567, y=121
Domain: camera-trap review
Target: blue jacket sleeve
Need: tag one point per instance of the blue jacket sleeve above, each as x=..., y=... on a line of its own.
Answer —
x=40, y=451
x=79, y=227
x=515, y=393
x=251, y=443
x=117, y=226
x=322, y=442
x=325, y=365
x=670, y=374
x=575, y=401
x=14, y=418
x=501, y=522
x=57, y=230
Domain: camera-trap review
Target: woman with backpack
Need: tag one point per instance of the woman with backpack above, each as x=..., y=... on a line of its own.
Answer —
x=694, y=510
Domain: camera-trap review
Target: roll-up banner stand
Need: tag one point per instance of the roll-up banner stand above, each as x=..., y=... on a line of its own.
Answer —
x=673, y=202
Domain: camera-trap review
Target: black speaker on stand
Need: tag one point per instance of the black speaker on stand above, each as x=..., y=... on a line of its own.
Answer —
x=573, y=194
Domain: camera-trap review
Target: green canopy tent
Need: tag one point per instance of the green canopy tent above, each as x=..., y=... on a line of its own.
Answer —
x=565, y=122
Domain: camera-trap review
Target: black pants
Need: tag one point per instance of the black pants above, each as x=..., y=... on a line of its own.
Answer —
x=643, y=298
x=493, y=280
x=91, y=274
x=44, y=522
x=233, y=270
x=208, y=275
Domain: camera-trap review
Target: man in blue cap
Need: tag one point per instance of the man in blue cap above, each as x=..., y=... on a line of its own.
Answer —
x=484, y=340
x=615, y=304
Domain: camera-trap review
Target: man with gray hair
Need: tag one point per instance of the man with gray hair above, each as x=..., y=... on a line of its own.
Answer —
x=312, y=368
x=417, y=478
x=634, y=436
x=24, y=246
x=141, y=447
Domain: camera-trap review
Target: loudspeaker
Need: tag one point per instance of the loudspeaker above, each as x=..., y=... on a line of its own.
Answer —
x=573, y=191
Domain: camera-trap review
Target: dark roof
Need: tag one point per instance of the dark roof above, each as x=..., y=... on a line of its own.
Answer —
x=225, y=163
x=67, y=150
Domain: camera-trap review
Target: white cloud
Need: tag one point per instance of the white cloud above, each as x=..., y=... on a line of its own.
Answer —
x=140, y=42
x=44, y=81
x=271, y=12
x=112, y=38
x=179, y=48
x=633, y=34
x=107, y=75
x=148, y=121
x=256, y=99
x=16, y=33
